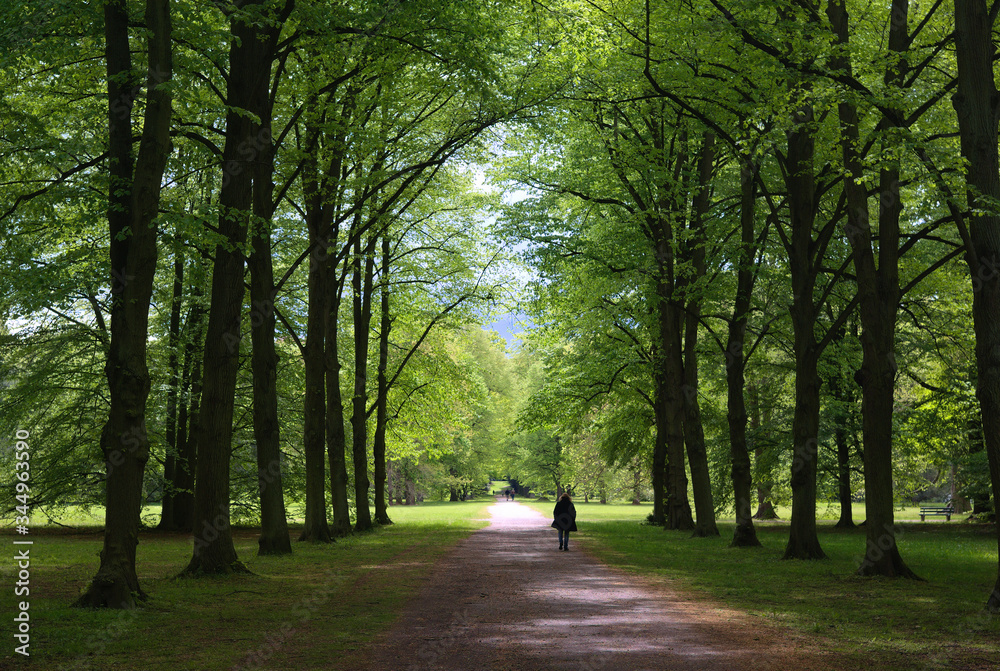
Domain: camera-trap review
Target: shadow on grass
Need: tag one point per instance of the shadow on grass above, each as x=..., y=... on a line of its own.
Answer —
x=294, y=612
x=893, y=624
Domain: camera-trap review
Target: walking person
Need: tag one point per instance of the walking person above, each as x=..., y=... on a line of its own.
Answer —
x=564, y=519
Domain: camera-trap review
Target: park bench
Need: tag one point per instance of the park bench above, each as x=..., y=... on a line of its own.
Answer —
x=937, y=510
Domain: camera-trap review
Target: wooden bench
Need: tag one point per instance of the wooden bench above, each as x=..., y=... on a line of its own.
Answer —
x=937, y=510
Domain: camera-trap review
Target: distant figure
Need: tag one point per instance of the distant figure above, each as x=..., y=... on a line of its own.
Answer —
x=512, y=495
x=564, y=520
x=506, y=494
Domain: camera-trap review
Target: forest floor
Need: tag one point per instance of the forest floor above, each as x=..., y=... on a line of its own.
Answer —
x=507, y=598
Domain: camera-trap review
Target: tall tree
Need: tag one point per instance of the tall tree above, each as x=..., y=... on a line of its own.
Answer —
x=382, y=393
x=878, y=294
x=976, y=102
x=321, y=223
x=316, y=527
x=249, y=76
x=336, y=436
x=804, y=266
x=185, y=463
x=879, y=288
x=274, y=538
x=167, y=515
x=133, y=205
x=693, y=249
x=362, y=274
x=744, y=535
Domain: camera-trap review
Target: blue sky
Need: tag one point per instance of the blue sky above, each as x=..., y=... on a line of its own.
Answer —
x=509, y=326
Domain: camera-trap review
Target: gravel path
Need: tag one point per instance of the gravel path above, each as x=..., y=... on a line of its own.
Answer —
x=507, y=599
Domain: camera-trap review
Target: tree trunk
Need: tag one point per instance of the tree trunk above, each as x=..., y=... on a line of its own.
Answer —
x=803, y=543
x=840, y=430
x=677, y=509
x=318, y=216
x=173, y=394
x=249, y=74
x=744, y=535
x=390, y=484
x=314, y=418
x=187, y=450
x=659, y=455
x=694, y=433
x=336, y=436
x=878, y=291
x=274, y=538
x=364, y=269
x=959, y=502
x=382, y=400
x=842, y=401
x=978, y=105
x=133, y=205
x=765, y=507
x=670, y=313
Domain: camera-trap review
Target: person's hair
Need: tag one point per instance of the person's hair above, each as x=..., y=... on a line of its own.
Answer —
x=565, y=495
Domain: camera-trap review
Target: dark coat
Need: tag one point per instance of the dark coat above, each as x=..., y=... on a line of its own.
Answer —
x=564, y=515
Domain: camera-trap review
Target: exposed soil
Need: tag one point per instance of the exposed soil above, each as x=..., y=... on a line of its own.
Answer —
x=506, y=598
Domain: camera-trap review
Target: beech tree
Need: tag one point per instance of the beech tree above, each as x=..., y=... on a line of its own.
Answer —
x=249, y=75
x=879, y=287
x=978, y=115
x=133, y=206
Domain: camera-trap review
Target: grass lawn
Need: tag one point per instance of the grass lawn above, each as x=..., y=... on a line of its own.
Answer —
x=301, y=612
x=497, y=486
x=325, y=602
x=885, y=624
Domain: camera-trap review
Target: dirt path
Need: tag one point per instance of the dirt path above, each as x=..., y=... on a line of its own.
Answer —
x=506, y=598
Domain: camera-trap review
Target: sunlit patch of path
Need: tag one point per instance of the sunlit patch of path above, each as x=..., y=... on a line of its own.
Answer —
x=506, y=598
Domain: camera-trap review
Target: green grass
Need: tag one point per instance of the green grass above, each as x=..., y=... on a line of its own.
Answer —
x=877, y=623
x=832, y=512
x=327, y=602
x=823, y=511
x=90, y=516
x=497, y=486
x=299, y=612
